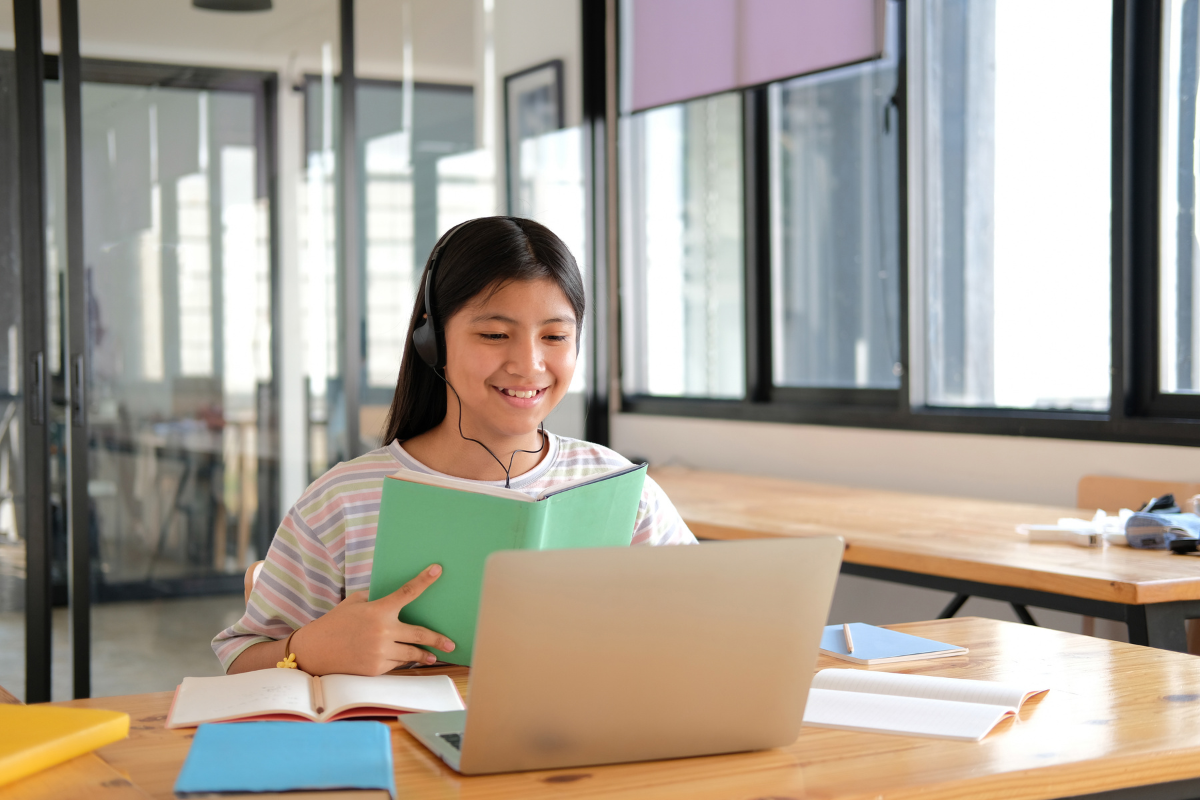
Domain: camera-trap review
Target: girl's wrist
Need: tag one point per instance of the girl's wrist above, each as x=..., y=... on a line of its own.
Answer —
x=294, y=650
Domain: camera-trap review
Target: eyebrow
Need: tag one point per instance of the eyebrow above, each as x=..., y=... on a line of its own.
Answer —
x=511, y=321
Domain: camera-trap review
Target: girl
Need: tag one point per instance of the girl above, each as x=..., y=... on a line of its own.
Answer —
x=491, y=350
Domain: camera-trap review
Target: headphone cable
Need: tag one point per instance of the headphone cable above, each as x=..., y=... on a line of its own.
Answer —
x=508, y=469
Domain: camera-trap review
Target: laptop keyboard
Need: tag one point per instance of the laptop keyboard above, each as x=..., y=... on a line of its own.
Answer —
x=452, y=739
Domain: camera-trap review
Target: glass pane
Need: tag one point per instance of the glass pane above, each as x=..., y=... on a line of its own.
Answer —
x=181, y=272
x=12, y=416
x=1179, y=267
x=683, y=249
x=835, y=240
x=320, y=327
x=55, y=221
x=1016, y=238
x=175, y=229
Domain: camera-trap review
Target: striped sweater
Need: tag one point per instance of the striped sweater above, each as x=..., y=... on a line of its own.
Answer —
x=322, y=551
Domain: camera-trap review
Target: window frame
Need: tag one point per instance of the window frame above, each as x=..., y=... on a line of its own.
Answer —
x=1138, y=411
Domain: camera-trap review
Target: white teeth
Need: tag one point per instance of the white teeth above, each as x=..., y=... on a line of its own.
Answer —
x=517, y=393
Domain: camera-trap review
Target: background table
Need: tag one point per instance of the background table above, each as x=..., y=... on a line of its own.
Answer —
x=1118, y=716
x=969, y=547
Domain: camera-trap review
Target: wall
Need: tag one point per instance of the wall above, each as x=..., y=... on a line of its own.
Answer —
x=962, y=465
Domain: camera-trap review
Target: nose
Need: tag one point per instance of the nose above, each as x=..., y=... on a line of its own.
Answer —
x=526, y=358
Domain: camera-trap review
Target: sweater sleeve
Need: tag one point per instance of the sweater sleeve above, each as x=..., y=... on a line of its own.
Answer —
x=300, y=581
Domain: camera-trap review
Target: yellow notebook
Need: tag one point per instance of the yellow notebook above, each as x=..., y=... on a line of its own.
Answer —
x=33, y=738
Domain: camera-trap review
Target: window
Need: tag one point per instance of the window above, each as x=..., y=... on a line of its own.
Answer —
x=990, y=228
x=1016, y=203
x=1179, y=248
x=682, y=207
x=835, y=266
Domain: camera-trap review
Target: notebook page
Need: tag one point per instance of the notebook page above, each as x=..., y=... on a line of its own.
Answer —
x=961, y=690
x=262, y=691
x=912, y=716
x=460, y=485
x=402, y=692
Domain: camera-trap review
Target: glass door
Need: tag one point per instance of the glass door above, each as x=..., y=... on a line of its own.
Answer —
x=178, y=275
x=12, y=497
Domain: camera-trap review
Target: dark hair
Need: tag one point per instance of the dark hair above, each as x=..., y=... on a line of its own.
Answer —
x=481, y=256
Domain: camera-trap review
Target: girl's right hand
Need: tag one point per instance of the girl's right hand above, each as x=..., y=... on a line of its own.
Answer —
x=365, y=637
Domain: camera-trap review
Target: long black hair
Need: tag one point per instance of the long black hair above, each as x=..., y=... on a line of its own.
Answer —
x=481, y=256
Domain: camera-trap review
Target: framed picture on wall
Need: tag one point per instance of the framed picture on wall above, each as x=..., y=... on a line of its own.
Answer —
x=533, y=105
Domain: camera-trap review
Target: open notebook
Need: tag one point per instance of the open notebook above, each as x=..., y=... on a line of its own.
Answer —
x=913, y=705
x=289, y=694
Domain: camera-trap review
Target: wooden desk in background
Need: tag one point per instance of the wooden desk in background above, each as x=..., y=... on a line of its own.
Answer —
x=1117, y=717
x=958, y=545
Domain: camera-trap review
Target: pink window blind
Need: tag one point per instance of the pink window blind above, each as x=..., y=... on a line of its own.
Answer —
x=683, y=49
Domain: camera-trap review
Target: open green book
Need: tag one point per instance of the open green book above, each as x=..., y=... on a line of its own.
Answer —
x=429, y=519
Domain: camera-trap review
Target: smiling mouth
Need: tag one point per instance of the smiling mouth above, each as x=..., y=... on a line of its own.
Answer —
x=521, y=394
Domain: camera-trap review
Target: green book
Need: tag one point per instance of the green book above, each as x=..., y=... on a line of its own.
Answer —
x=428, y=519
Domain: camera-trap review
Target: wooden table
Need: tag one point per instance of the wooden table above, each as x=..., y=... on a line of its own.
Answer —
x=87, y=777
x=1117, y=716
x=969, y=547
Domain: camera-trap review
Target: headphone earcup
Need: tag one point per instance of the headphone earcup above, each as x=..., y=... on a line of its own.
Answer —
x=425, y=343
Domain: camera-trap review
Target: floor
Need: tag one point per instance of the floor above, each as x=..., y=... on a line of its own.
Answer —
x=141, y=646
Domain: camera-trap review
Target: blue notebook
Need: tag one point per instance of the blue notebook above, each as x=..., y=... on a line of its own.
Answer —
x=245, y=757
x=874, y=645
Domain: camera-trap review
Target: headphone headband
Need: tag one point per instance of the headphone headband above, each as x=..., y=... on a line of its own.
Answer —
x=430, y=346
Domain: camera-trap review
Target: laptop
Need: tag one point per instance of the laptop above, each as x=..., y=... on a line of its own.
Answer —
x=601, y=656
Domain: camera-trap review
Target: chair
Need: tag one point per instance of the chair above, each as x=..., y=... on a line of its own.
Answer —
x=1112, y=494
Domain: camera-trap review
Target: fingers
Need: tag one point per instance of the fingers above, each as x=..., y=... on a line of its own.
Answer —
x=415, y=634
x=401, y=653
x=411, y=590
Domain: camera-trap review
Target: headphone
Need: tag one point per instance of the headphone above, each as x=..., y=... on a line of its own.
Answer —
x=429, y=344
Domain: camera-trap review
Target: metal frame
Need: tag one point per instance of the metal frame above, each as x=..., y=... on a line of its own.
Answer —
x=594, y=20
x=1175, y=790
x=1155, y=625
x=756, y=239
x=27, y=27
x=75, y=358
x=349, y=237
x=1143, y=96
x=1138, y=412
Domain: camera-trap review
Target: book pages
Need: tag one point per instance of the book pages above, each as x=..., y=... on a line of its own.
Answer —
x=930, y=686
x=914, y=705
x=264, y=691
x=398, y=692
x=912, y=716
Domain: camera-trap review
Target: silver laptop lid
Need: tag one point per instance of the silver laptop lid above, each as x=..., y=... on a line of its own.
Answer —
x=630, y=654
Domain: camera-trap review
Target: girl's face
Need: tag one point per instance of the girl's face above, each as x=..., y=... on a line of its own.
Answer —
x=511, y=356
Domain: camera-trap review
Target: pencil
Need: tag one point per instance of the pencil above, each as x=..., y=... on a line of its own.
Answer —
x=318, y=695
x=849, y=641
